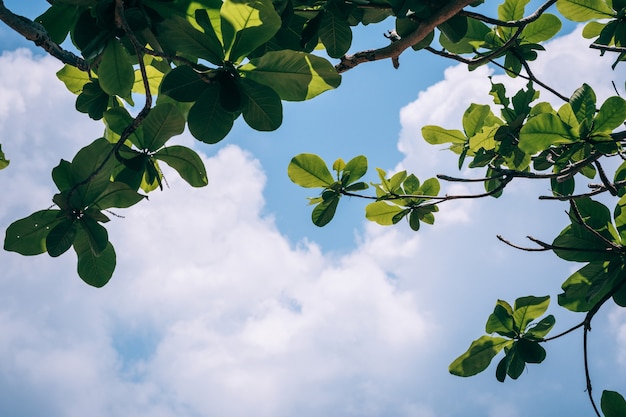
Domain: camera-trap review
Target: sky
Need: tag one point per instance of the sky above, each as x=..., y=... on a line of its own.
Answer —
x=227, y=301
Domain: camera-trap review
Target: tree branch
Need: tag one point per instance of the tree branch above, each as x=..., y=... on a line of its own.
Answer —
x=396, y=48
x=35, y=32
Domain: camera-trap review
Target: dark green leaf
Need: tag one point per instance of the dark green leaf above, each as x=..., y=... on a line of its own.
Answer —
x=96, y=235
x=335, y=34
x=262, y=108
x=207, y=119
x=61, y=238
x=27, y=236
x=541, y=329
x=118, y=194
x=164, y=121
x=324, y=212
x=95, y=270
x=613, y=404
x=501, y=320
x=183, y=84
x=115, y=72
x=186, y=162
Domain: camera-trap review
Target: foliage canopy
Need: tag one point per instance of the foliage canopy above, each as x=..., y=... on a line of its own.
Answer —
x=202, y=64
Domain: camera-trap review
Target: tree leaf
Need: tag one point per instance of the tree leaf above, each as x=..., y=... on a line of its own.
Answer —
x=179, y=34
x=324, y=212
x=336, y=35
x=583, y=103
x=512, y=9
x=207, y=120
x=479, y=355
x=262, y=108
x=115, y=72
x=309, y=171
x=501, y=320
x=61, y=237
x=355, y=169
x=542, y=131
x=254, y=22
x=186, y=162
x=587, y=286
x=295, y=76
x=27, y=236
x=611, y=115
x=95, y=270
x=89, y=166
x=613, y=404
x=542, y=29
x=96, y=235
x=73, y=78
x=183, y=84
x=583, y=10
x=164, y=121
x=3, y=161
x=436, y=135
x=382, y=213
x=118, y=194
x=526, y=309
x=541, y=329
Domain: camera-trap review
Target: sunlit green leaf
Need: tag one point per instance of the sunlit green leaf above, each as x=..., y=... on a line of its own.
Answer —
x=479, y=355
x=73, y=78
x=542, y=131
x=583, y=10
x=611, y=115
x=309, y=171
x=526, y=309
x=541, y=329
x=382, y=213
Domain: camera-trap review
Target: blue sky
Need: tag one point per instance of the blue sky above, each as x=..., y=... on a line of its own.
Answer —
x=227, y=301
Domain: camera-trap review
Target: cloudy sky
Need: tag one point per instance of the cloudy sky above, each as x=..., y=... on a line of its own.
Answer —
x=226, y=301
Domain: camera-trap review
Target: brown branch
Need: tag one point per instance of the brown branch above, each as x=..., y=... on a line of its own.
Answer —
x=35, y=32
x=604, y=48
x=396, y=48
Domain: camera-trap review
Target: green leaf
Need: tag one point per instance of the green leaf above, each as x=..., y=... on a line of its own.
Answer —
x=382, y=213
x=254, y=23
x=583, y=103
x=309, y=171
x=183, y=84
x=512, y=9
x=436, y=135
x=501, y=320
x=262, y=108
x=541, y=329
x=542, y=29
x=115, y=72
x=474, y=38
x=476, y=116
x=96, y=234
x=89, y=166
x=211, y=25
x=295, y=76
x=164, y=121
x=118, y=194
x=179, y=34
x=92, y=100
x=454, y=28
x=530, y=351
x=27, y=236
x=543, y=131
x=611, y=115
x=186, y=162
x=61, y=237
x=479, y=355
x=324, y=212
x=583, y=10
x=3, y=161
x=613, y=404
x=73, y=78
x=355, y=169
x=335, y=34
x=58, y=20
x=95, y=270
x=585, y=287
x=207, y=119
x=526, y=309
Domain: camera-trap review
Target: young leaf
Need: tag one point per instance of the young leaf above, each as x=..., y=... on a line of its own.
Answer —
x=309, y=171
x=611, y=115
x=542, y=131
x=355, y=169
x=583, y=10
x=479, y=355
